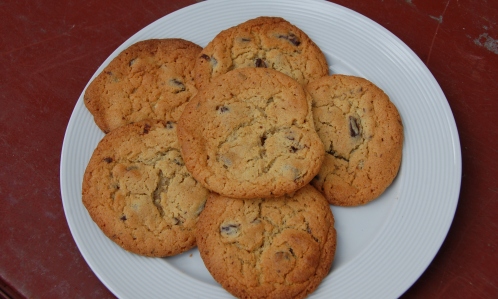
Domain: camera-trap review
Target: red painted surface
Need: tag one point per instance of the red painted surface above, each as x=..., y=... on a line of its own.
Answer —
x=49, y=51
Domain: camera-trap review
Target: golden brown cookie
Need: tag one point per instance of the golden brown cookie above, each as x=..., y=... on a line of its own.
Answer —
x=362, y=132
x=250, y=133
x=268, y=248
x=152, y=79
x=267, y=42
x=137, y=190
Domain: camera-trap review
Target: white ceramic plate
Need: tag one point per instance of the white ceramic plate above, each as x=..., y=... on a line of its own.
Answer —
x=383, y=247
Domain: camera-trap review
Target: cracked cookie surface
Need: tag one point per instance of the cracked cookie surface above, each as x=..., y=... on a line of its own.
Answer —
x=137, y=190
x=268, y=248
x=151, y=79
x=362, y=132
x=250, y=133
x=267, y=42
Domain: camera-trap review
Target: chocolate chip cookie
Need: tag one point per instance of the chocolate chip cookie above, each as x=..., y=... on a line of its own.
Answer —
x=362, y=132
x=268, y=248
x=264, y=42
x=250, y=133
x=137, y=190
x=152, y=79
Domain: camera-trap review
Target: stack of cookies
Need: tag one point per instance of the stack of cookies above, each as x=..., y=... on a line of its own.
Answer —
x=237, y=148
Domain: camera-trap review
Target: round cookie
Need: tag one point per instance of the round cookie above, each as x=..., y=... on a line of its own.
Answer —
x=268, y=42
x=268, y=248
x=250, y=133
x=137, y=190
x=151, y=79
x=362, y=132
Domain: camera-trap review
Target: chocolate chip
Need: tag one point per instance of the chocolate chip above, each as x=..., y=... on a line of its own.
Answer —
x=291, y=38
x=108, y=160
x=205, y=57
x=293, y=149
x=178, y=84
x=169, y=125
x=260, y=63
x=178, y=220
x=245, y=39
x=222, y=109
x=212, y=60
x=263, y=139
x=229, y=229
x=354, y=128
x=146, y=129
x=123, y=218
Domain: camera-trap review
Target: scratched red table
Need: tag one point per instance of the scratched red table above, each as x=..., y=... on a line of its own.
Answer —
x=49, y=51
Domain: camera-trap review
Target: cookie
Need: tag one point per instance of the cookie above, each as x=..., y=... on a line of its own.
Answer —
x=268, y=248
x=267, y=42
x=137, y=190
x=250, y=133
x=362, y=132
x=152, y=79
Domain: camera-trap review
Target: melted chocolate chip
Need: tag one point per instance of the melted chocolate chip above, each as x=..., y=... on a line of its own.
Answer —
x=222, y=109
x=205, y=57
x=263, y=139
x=229, y=229
x=123, y=218
x=169, y=125
x=108, y=160
x=146, y=129
x=354, y=128
x=178, y=84
x=291, y=38
x=260, y=63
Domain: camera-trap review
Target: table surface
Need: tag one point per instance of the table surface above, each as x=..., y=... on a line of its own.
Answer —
x=48, y=52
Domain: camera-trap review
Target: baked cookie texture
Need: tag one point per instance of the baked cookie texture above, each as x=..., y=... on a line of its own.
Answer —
x=268, y=248
x=137, y=190
x=151, y=79
x=250, y=133
x=268, y=42
x=362, y=132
